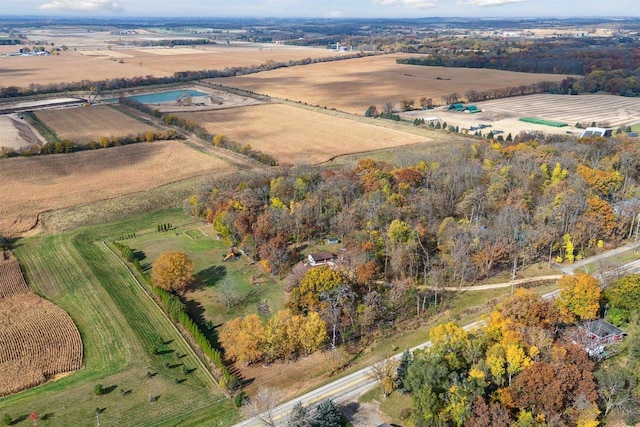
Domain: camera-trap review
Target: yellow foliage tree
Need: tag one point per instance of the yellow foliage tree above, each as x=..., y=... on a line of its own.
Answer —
x=516, y=360
x=172, y=271
x=579, y=297
x=313, y=334
x=450, y=339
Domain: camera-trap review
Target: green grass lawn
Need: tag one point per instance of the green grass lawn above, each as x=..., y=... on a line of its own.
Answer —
x=120, y=326
x=214, y=277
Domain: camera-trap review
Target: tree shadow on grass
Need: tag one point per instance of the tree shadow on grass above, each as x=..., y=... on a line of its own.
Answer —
x=210, y=276
x=197, y=312
x=107, y=390
x=19, y=419
x=139, y=255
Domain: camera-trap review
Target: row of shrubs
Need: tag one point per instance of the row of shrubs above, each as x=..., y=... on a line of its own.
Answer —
x=165, y=227
x=126, y=252
x=68, y=146
x=176, y=311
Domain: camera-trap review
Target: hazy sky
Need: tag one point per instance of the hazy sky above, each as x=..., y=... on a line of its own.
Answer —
x=325, y=8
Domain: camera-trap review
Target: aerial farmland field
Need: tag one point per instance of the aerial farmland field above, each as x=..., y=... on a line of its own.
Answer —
x=149, y=373
x=108, y=61
x=295, y=135
x=33, y=185
x=352, y=85
x=82, y=125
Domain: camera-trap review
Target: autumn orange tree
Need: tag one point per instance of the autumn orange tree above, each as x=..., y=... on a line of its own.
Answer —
x=241, y=337
x=579, y=297
x=173, y=271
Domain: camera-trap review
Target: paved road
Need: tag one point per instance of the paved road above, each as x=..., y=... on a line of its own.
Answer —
x=348, y=388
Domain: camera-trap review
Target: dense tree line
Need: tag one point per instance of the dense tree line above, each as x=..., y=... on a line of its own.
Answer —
x=67, y=146
x=411, y=228
x=607, y=64
x=529, y=366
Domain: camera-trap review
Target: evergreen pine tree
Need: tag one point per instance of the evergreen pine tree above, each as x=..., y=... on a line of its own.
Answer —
x=328, y=415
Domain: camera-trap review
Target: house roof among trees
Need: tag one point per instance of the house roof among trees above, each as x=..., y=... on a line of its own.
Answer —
x=321, y=256
x=602, y=328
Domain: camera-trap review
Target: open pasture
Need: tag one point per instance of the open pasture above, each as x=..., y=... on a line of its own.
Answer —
x=32, y=185
x=504, y=114
x=352, y=85
x=86, y=124
x=296, y=135
x=223, y=289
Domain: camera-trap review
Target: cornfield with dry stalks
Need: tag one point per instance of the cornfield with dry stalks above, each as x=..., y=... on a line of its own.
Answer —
x=38, y=339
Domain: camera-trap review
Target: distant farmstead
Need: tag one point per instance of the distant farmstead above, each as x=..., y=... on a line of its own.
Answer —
x=320, y=258
x=595, y=132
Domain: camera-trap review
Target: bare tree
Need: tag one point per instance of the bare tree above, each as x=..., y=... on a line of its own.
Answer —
x=261, y=405
x=385, y=373
x=228, y=294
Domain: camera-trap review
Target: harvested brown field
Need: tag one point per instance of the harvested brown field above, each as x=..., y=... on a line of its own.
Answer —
x=74, y=66
x=11, y=278
x=32, y=185
x=38, y=340
x=70, y=66
x=86, y=124
x=296, y=135
x=352, y=85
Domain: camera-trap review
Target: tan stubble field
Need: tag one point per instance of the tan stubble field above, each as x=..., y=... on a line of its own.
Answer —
x=83, y=125
x=32, y=185
x=352, y=85
x=75, y=66
x=300, y=136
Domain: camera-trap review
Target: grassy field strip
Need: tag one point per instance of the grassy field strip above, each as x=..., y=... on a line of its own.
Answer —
x=105, y=350
x=201, y=363
x=119, y=327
